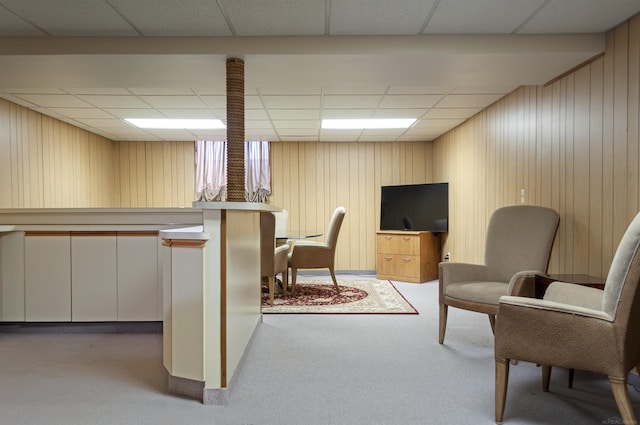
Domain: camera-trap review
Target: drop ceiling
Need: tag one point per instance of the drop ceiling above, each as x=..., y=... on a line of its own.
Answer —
x=92, y=63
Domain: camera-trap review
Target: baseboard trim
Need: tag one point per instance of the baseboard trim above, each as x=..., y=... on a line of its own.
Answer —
x=81, y=327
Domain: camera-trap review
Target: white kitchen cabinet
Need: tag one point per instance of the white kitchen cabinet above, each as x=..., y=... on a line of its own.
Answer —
x=138, y=277
x=47, y=272
x=94, y=286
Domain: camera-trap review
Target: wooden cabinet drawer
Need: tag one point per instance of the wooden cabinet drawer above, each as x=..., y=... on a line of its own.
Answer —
x=407, y=256
x=399, y=265
x=398, y=244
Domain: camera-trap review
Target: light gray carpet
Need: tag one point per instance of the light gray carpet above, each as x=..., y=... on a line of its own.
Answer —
x=301, y=369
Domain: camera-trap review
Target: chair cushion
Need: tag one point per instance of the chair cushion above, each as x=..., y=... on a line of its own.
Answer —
x=480, y=292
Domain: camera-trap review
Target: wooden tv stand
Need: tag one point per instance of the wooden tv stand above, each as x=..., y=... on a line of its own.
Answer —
x=407, y=256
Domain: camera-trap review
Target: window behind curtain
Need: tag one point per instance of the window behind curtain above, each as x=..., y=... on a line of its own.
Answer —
x=211, y=171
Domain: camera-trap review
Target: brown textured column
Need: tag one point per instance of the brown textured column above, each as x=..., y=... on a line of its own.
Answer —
x=235, y=130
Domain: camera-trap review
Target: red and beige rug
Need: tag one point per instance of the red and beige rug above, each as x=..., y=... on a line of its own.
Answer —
x=355, y=297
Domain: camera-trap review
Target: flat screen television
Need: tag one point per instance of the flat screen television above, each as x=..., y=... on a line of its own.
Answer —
x=423, y=207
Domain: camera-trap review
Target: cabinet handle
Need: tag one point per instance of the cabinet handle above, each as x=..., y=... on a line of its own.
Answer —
x=406, y=238
x=406, y=259
x=388, y=258
x=387, y=237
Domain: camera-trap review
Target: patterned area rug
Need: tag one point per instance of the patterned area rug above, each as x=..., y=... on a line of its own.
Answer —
x=355, y=297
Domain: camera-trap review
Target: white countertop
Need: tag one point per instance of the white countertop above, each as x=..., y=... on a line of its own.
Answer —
x=186, y=233
x=5, y=228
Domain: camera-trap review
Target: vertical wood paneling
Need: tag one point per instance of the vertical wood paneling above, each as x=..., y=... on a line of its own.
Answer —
x=574, y=145
x=46, y=163
x=147, y=174
x=348, y=174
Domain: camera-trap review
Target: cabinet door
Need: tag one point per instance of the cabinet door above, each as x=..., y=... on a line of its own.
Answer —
x=138, y=283
x=12, y=277
x=47, y=277
x=94, y=277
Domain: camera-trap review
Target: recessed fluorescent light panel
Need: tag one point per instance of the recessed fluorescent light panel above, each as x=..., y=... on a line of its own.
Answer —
x=173, y=123
x=367, y=123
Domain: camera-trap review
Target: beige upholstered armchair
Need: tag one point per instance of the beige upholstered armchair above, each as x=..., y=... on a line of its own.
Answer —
x=518, y=245
x=272, y=260
x=577, y=327
x=314, y=255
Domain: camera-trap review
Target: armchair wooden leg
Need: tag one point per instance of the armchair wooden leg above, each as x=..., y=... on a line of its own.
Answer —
x=546, y=377
x=502, y=380
x=293, y=280
x=285, y=283
x=272, y=284
x=333, y=277
x=621, y=395
x=492, y=322
x=443, y=322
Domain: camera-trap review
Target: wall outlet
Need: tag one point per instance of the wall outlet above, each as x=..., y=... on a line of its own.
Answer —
x=447, y=257
x=522, y=195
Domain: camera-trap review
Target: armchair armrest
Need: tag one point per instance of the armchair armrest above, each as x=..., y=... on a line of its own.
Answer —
x=578, y=295
x=522, y=284
x=462, y=272
x=538, y=304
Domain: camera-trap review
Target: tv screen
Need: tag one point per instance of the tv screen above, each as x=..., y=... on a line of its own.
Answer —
x=422, y=207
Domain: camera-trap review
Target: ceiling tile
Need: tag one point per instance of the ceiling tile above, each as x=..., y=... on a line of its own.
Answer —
x=175, y=135
x=399, y=113
x=387, y=132
x=289, y=89
x=289, y=102
x=107, y=101
x=54, y=100
x=257, y=124
x=161, y=91
x=275, y=17
x=372, y=16
x=409, y=101
x=134, y=113
x=355, y=101
x=81, y=112
x=250, y=102
x=484, y=89
x=12, y=26
x=215, y=101
x=187, y=113
x=72, y=17
x=210, y=134
x=354, y=90
x=174, y=17
x=174, y=101
x=347, y=113
x=295, y=114
x=290, y=132
x=42, y=90
x=420, y=89
x=480, y=16
x=586, y=16
x=254, y=114
x=313, y=125
x=110, y=91
x=103, y=123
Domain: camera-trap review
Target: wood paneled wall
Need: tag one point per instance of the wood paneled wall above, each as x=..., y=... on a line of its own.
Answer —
x=310, y=179
x=155, y=174
x=46, y=163
x=572, y=146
